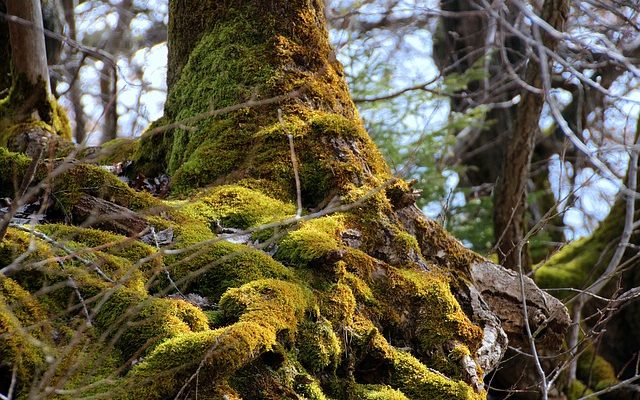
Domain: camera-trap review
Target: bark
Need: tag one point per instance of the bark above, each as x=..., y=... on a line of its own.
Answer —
x=27, y=43
x=114, y=42
x=510, y=195
x=29, y=100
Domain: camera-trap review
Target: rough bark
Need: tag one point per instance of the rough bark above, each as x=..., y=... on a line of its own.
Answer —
x=510, y=194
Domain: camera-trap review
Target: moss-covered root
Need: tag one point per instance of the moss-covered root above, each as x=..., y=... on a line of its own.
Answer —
x=265, y=312
x=405, y=373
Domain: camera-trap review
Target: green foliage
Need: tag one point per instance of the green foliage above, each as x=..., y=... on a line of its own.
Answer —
x=415, y=143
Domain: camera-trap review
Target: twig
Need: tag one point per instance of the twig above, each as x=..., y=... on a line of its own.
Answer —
x=294, y=161
x=76, y=289
x=12, y=386
x=164, y=267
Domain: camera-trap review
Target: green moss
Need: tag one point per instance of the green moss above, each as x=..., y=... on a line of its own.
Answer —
x=318, y=345
x=24, y=329
x=578, y=390
x=240, y=58
x=92, y=180
x=265, y=310
x=314, y=240
x=379, y=392
x=211, y=269
x=237, y=207
x=137, y=322
x=596, y=372
x=582, y=261
x=42, y=109
x=111, y=152
x=13, y=166
x=435, y=241
x=72, y=180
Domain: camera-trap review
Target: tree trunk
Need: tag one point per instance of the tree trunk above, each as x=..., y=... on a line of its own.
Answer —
x=28, y=52
x=29, y=99
x=294, y=267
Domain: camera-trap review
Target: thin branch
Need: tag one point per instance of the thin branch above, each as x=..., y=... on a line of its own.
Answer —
x=294, y=162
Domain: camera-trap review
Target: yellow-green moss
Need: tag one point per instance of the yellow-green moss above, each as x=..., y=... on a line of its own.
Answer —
x=404, y=372
x=441, y=317
x=137, y=321
x=237, y=207
x=578, y=390
x=338, y=304
x=16, y=243
x=120, y=246
x=314, y=240
x=24, y=330
x=318, y=345
x=378, y=392
x=265, y=311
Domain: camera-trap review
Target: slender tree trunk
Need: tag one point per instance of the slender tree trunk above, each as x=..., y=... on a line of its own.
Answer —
x=109, y=75
x=29, y=56
x=75, y=95
x=510, y=194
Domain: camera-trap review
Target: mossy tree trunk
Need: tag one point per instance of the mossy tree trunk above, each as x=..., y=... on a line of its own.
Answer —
x=29, y=105
x=355, y=296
